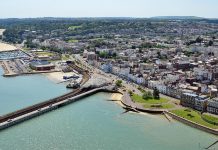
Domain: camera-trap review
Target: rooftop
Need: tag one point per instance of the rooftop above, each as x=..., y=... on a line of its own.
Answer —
x=40, y=63
x=190, y=94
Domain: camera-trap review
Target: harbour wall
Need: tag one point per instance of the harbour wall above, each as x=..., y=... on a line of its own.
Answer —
x=43, y=110
x=192, y=124
x=126, y=103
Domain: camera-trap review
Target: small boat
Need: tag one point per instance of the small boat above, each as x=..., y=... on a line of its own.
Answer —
x=73, y=85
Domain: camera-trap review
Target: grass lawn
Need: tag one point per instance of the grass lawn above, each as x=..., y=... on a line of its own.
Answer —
x=139, y=99
x=160, y=106
x=193, y=116
x=73, y=41
x=26, y=49
x=211, y=118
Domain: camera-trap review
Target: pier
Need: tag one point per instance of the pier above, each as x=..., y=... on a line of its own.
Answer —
x=51, y=104
x=41, y=108
x=212, y=145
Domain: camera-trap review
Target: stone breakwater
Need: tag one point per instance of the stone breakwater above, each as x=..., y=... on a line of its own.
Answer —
x=21, y=118
x=127, y=101
x=192, y=124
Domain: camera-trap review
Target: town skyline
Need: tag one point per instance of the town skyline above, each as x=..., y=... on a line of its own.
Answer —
x=109, y=74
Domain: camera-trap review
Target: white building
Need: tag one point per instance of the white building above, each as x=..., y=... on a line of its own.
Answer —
x=107, y=67
x=212, y=106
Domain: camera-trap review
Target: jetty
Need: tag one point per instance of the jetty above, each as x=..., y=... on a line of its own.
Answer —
x=40, y=108
x=22, y=115
x=212, y=145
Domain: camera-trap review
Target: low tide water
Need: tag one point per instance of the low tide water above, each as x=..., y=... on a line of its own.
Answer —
x=19, y=92
x=97, y=124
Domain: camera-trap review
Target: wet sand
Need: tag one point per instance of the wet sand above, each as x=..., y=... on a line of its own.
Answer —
x=57, y=77
x=116, y=97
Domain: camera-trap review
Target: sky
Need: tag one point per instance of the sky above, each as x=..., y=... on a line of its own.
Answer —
x=107, y=8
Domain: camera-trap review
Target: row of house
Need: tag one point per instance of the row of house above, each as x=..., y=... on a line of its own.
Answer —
x=201, y=103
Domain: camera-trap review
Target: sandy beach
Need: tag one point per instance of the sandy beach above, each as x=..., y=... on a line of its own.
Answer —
x=117, y=98
x=6, y=47
x=57, y=77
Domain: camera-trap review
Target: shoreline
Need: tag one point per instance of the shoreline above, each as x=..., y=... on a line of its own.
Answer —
x=118, y=101
x=116, y=96
x=173, y=116
x=57, y=77
x=51, y=78
x=192, y=124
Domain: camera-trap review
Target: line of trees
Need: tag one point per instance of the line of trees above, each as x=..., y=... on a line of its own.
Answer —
x=148, y=95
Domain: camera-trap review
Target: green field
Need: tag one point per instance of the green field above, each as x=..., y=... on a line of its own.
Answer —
x=74, y=27
x=210, y=118
x=139, y=99
x=152, y=103
x=193, y=116
x=73, y=41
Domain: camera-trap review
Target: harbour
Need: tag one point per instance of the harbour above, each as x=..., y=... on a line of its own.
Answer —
x=108, y=129
x=23, y=91
x=141, y=129
x=74, y=78
x=108, y=116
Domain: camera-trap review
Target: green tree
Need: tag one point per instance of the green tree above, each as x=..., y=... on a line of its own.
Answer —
x=147, y=95
x=199, y=39
x=114, y=55
x=103, y=54
x=210, y=43
x=119, y=83
x=133, y=47
x=130, y=93
x=156, y=93
x=145, y=60
x=140, y=50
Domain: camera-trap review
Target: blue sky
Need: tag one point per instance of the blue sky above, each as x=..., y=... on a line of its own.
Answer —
x=107, y=8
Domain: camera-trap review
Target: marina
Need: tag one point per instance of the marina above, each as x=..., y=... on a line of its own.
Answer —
x=12, y=54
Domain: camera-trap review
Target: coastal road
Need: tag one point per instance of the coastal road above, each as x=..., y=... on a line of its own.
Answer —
x=129, y=85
